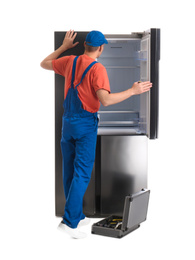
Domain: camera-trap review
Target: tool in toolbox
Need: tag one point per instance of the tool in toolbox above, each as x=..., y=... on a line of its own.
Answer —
x=135, y=212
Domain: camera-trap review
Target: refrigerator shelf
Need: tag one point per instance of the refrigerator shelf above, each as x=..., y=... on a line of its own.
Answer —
x=120, y=130
x=117, y=112
x=121, y=67
x=116, y=40
x=118, y=123
x=127, y=56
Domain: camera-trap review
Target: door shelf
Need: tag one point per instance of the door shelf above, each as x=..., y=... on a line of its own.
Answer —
x=142, y=55
x=119, y=123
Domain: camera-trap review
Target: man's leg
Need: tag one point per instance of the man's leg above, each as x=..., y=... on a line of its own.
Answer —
x=68, y=156
x=83, y=165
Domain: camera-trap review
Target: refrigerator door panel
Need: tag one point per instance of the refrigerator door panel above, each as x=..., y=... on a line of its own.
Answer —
x=149, y=71
x=78, y=50
x=123, y=170
x=144, y=57
x=154, y=77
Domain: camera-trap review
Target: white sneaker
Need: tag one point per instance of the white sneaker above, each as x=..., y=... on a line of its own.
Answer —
x=84, y=222
x=73, y=232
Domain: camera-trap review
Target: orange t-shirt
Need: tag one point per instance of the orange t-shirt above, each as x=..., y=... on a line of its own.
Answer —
x=95, y=79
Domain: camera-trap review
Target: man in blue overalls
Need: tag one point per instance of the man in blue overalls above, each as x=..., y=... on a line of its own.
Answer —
x=86, y=85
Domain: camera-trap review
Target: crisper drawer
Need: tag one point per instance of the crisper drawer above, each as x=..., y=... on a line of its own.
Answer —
x=118, y=118
x=119, y=131
x=118, y=123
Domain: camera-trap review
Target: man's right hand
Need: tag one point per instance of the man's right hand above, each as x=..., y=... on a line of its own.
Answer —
x=141, y=87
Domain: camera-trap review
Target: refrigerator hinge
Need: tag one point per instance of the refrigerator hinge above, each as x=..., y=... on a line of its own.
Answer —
x=141, y=34
x=137, y=34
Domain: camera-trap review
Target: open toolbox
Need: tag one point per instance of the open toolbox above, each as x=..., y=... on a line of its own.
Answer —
x=135, y=212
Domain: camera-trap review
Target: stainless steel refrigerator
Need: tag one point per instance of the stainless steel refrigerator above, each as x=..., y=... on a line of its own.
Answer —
x=120, y=166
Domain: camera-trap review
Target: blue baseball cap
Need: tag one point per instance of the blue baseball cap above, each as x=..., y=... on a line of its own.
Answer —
x=95, y=39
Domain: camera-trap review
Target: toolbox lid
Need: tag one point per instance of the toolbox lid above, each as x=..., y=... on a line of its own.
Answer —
x=135, y=209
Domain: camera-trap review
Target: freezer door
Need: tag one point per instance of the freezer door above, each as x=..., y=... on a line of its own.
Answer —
x=123, y=170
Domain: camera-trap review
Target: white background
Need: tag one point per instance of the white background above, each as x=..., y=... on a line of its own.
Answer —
x=27, y=219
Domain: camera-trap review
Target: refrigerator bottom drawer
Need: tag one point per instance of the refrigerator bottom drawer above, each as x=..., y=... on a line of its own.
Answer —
x=111, y=227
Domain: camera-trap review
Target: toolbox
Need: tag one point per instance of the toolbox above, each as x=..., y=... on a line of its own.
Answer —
x=135, y=212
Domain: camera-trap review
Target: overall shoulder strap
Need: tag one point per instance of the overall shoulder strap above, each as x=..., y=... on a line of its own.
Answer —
x=85, y=72
x=73, y=71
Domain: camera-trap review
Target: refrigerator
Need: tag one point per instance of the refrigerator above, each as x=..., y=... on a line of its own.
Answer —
x=124, y=129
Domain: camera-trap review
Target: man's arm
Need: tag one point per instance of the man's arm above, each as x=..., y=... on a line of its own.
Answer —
x=67, y=44
x=108, y=99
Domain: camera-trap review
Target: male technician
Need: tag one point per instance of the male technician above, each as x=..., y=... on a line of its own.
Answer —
x=86, y=85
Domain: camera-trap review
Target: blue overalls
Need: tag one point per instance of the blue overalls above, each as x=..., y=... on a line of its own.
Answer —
x=78, y=143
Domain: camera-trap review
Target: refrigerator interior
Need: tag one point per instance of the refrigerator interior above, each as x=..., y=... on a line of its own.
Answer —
x=126, y=61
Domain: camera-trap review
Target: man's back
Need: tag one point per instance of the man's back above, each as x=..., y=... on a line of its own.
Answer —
x=94, y=80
